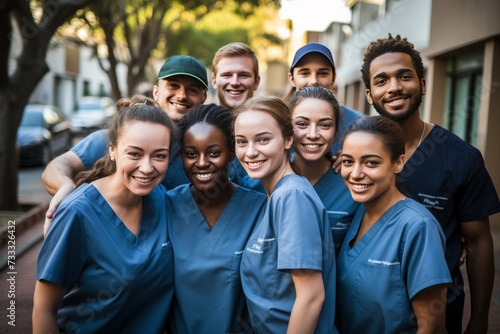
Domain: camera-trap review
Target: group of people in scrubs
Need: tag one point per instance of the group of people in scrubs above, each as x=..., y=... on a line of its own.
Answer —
x=264, y=236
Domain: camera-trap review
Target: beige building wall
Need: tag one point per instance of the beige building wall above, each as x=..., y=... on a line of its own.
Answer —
x=455, y=26
x=459, y=23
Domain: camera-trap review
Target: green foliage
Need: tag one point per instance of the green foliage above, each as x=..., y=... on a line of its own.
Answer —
x=132, y=31
x=235, y=21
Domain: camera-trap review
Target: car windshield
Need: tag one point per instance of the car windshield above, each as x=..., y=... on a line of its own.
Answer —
x=32, y=118
x=89, y=106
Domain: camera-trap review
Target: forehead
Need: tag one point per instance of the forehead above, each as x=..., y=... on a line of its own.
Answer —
x=236, y=64
x=313, y=108
x=251, y=121
x=183, y=80
x=363, y=143
x=204, y=130
x=391, y=62
x=313, y=60
x=138, y=133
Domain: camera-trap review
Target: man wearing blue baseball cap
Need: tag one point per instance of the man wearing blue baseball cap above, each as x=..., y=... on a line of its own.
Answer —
x=313, y=65
x=181, y=86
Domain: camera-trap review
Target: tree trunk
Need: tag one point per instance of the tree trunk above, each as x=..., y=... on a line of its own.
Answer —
x=30, y=69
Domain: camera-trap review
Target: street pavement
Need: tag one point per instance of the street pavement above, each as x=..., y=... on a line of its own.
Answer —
x=17, y=283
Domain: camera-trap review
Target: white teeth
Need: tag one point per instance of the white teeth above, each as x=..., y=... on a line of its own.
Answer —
x=255, y=164
x=179, y=105
x=204, y=176
x=360, y=186
x=312, y=146
x=235, y=92
x=143, y=180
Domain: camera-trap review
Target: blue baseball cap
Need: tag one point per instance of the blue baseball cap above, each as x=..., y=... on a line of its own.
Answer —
x=311, y=48
x=184, y=65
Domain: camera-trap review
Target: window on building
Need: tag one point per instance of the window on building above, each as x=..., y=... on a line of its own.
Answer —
x=86, y=88
x=463, y=94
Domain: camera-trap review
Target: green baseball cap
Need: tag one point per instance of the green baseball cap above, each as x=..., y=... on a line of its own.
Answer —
x=184, y=65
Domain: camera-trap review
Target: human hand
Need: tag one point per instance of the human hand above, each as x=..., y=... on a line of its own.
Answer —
x=336, y=162
x=463, y=253
x=54, y=204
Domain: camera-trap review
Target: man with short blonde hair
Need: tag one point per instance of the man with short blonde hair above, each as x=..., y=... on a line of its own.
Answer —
x=235, y=74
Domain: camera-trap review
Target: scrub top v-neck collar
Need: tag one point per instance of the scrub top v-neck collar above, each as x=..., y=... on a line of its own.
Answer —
x=215, y=233
x=139, y=241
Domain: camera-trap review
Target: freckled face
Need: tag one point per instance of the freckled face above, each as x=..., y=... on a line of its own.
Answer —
x=141, y=156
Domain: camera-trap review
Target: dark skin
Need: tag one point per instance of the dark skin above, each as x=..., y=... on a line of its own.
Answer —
x=206, y=158
x=392, y=77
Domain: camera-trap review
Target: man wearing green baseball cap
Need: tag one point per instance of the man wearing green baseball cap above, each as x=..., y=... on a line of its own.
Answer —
x=181, y=86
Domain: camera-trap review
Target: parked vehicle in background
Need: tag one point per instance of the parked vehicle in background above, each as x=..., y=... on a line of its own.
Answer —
x=44, y=132
x=92, y=113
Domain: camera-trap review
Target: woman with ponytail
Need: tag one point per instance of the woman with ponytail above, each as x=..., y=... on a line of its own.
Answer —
x=106, y=263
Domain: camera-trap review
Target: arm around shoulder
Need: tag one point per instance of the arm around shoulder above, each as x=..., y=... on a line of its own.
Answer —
x=58, y=180
x=61, y=171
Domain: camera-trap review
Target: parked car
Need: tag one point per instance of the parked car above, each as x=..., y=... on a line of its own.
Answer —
x=92, y=113
x=44, y=132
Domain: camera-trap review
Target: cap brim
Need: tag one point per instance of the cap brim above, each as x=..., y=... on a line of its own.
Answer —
x=186, y=74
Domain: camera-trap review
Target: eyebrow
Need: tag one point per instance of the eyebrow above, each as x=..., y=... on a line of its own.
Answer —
x=257, y=134
x=320, y=120
x=209, y=146
x=141, y=149
x=303, y=69
x=398, y=72
x=363, y=156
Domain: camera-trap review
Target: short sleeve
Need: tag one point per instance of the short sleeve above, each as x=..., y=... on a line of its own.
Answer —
x=63, y=252
x=298, y=221
x=477, y=197
x=92, y=148
x=423, y=261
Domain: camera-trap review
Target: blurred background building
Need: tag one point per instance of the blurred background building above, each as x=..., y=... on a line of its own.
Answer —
x=460, y=44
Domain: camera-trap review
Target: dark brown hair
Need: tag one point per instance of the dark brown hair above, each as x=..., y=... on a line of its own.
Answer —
x=135, y=112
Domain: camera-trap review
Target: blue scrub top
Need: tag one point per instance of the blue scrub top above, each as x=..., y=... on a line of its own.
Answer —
x=94, y=146
x=399, y=256
x=208, y=294
x=347, y=116
x=117, y=282
x=293, y=234
x=339, y=204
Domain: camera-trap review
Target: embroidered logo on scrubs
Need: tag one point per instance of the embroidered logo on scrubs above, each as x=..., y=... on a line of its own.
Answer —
x=434, y=202
x=256, y=248
x=383, y=263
